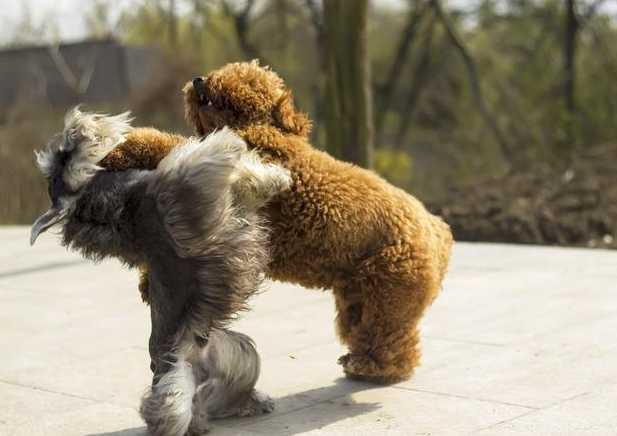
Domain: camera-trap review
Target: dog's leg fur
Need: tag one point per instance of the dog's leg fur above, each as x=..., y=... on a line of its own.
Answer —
x=202, y=383
x=233, y=360
x=167, y=407
x=194, y=382
x=378, y=314
x=230, y=368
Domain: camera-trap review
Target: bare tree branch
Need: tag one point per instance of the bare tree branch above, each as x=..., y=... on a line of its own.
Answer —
x=473, y=79
x=241, y=21
x=173, y=23
x=281, y=11
x=316, y=14
x=569, y=69
x=402, y=52
x=419, y=79
x=318, y=87
x=602, y=51
x=318, y=24
x=592, y=10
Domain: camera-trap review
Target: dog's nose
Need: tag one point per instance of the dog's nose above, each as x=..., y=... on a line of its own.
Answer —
x=198, y=81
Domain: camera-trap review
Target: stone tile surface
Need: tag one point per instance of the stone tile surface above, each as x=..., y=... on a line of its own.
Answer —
x=522, y=341
x=588, y=414
x=391, y=412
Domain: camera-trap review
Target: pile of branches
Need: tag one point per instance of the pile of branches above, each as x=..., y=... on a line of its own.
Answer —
x=573, y=204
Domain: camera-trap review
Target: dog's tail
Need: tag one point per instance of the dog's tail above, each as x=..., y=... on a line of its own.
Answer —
x=256, y=183
x=200, y=184
x=192, y=187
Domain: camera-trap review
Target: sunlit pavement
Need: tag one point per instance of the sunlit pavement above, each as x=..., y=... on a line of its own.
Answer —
x=522, y=341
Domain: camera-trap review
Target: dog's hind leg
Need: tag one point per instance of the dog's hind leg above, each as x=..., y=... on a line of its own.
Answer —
x=232, y=364
x=382, y=339
x=378, y=315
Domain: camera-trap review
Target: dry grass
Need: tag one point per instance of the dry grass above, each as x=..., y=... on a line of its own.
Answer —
x=28, y=125
x=24, y=128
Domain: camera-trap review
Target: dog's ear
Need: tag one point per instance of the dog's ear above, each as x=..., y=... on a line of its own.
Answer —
x=287, y=119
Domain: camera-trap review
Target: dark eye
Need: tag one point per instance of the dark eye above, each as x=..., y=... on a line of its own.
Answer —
x=63, y=157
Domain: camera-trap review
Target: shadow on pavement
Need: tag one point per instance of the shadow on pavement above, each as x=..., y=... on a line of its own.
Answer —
x=336, y=405
x=136, y=431
x=329, y=404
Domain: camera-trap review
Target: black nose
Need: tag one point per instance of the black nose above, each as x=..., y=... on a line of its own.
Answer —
x=197, y=81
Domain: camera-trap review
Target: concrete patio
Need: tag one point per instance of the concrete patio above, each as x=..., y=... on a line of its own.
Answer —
x=522, y=341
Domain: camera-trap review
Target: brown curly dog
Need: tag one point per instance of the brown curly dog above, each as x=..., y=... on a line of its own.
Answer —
x=340, y=227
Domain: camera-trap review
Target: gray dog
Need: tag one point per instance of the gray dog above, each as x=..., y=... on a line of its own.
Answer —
x=193, y=221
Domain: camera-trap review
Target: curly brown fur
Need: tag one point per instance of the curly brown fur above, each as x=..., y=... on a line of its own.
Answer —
x=144, y=145
x=339, y=227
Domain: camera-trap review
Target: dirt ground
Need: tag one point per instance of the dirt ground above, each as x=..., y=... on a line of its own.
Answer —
x=573, y=204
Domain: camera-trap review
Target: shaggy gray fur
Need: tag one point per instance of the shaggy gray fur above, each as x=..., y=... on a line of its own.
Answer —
x=205, y=255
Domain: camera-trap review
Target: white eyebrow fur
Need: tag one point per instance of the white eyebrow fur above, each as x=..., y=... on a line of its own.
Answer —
x=89, y=136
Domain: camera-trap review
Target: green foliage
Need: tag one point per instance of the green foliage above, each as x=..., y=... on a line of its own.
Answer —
x=395, y=166
x=23, y=129
x=206, y=41
x=517, y=50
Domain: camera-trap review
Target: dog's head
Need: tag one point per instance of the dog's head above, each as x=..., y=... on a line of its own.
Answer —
x=240, y=95
x=71, y=159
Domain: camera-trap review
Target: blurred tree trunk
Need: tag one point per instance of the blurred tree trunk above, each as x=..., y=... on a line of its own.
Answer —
x=571, y=31
x=282, y=12
x=173, y=24
x=318, y=24
x=348, y=94
x=318, y=87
